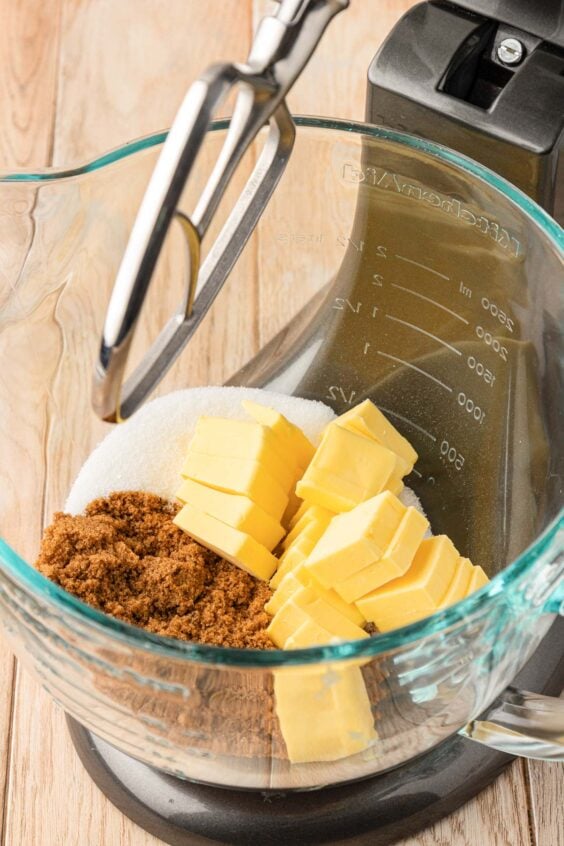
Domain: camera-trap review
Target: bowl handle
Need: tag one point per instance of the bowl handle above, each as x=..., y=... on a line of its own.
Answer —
x=522, y=723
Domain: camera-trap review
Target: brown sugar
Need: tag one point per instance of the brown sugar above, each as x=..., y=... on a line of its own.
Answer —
x=126, y=557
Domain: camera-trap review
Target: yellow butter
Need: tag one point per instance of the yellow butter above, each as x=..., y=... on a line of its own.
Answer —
x=308, y=634
x=300, y=548
x=303, y=604
x=459, y=585
x=247, y=440
x=234, y=509
x=355, y=539
x=323, y=716
x=394, y=563
x=477, y=580
x=420, y=590
x=326, y=614
x=368, y=420
x=239, y=548
x=294, y=504
x=406, y=540
x=285, y=622
x=395, y=485
x=347, y=469
x=301, y=577
x=330, y=596
x=388, y=624
x=240, y=476
x=288, y=585
x=291, y=434
x=299, y=514
x=310, y=515
x=312, y=530
x=292, y=559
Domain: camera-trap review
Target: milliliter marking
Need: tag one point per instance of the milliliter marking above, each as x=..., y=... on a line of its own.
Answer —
x=430, y=300
x=408, y=421
x=418, y=369
x=424, y=332
x=423, y=266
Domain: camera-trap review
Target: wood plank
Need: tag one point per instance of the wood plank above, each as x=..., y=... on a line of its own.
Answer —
x=29, y=36
x=496, y=817
x=114, y=61
x=546, y=786
x=53, y=800
x=6, y=695
x=29, y=40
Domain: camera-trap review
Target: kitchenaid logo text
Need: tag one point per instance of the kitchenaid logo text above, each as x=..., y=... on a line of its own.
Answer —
x=389, y=181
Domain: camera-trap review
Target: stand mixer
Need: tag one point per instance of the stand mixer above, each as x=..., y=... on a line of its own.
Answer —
x=443, y=310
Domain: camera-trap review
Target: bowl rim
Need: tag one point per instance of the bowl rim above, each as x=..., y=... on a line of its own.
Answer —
x=25, y=576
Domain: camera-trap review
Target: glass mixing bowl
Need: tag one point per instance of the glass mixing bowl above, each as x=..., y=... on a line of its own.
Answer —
x=405, y=273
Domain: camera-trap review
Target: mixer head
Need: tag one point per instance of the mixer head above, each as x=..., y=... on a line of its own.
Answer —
x=282, y=47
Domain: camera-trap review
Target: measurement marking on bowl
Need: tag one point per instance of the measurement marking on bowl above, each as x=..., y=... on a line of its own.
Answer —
x=429, y=300
x=417, y=473
x=407, y=420
x=418, y=369
x=423, y=266
x=424, y=332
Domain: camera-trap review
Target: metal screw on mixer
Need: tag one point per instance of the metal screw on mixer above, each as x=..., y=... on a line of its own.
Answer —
x=510, y=51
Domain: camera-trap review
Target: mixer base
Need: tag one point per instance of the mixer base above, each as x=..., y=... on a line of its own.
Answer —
x=376, y=811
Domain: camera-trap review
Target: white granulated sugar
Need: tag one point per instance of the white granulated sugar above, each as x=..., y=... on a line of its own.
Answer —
x=147, y=451
x=409, y=497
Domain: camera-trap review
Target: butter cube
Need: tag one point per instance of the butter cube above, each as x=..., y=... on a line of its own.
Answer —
x=368, y=420
x=239, y=548
x=299, y=549
x=285, y=622
x=287, y=587
x=292, y=435
x=419, y=591
x=323, y=716
x=355, y=539
x=395, y=485
x=248, y=440
x=311, y=530
x=238, y=476
x=394, y=563
x=326, y=614
x=234, y=509
x=406, y=540
x=292, y=559
x=311, y=514
x=388, y=624
x=347, y=469
x=294, y=504
x=477, y=580
x=299, y=514
x=459, y=585
x=305, y=604
x=300, y=577
x=330, y=596
x=308, y=634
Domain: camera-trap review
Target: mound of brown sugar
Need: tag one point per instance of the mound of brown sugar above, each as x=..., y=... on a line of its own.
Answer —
x=126, y=557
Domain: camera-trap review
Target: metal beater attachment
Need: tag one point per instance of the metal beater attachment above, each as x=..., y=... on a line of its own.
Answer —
x=282, y=47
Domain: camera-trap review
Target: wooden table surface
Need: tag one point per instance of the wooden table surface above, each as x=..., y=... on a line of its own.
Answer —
x=78, y=77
